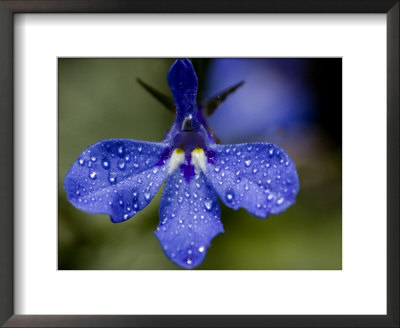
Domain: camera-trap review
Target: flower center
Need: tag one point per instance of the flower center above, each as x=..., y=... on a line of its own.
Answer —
x=190, y=165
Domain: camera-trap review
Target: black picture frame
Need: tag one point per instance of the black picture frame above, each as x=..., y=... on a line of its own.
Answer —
x=10, y=7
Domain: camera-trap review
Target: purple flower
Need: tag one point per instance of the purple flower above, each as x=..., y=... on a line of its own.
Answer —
x=119, y=177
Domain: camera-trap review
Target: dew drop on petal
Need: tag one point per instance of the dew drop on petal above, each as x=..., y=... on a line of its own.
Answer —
x=121, y=164
x=120, y=149
x=105, y=163
x=208, y=204
x=201, y=249
x=81, y=161
x=280, y=201
x=92, y=174
x=147, y=195
x=247, y=162
x=230, y=196
x=112, y=177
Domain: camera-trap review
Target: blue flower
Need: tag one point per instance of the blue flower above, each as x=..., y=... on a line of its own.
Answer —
x=119, y=177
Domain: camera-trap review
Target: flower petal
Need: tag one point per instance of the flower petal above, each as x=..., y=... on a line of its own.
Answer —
x=259, y=177
x=183, y=83
x=189, y=219
x=118, y=177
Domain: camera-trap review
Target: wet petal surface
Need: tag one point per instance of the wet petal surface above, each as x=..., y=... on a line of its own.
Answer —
x=118, y=177
x=189, y=219
x=259, y=177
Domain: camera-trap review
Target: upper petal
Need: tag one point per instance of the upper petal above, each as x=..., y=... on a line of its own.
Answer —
x=259, y=177
x=183, y=83
x=118, y=177
x=189, y=219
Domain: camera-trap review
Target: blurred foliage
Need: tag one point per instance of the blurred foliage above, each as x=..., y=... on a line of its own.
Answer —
x=101, y=99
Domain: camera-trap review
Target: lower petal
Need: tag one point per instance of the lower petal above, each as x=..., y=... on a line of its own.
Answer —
x=189, y=219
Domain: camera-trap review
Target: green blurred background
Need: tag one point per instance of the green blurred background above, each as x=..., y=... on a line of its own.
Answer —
x=100, y=99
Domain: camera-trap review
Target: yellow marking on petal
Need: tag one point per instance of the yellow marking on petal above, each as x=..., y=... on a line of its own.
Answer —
x=199, y=160
x=177, y=158
x=198, y=150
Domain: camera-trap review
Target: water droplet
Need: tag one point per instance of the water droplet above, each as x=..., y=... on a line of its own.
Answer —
x=81, y=161
x=155, y=170
x=125, y=216
x=201, y=249
x=147, y=195
x=230, y=196
x=139, y=149
x=112, y=177
x=216, y=169
x=255, y=170
x=105, y=163
x=120, y=149
x=121, y=164
x=93, y=159
x=208, y=204
x=271, y=151
x=270, y=196
x=189, y=261
x=136, y=165
x=280, y=201
x=92, y=174
x=247, y=162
